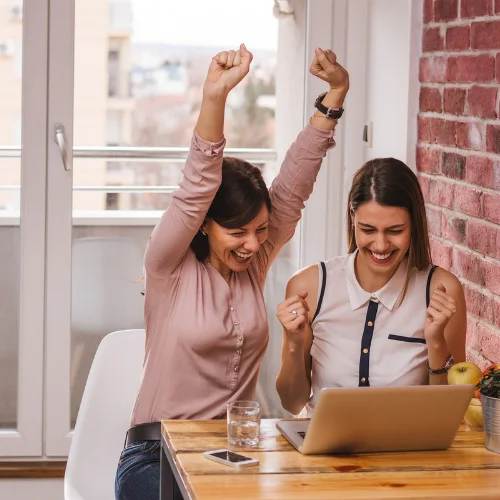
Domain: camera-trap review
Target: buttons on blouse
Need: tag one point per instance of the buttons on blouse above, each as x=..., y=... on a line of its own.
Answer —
x=236, y=368
x=363, y=379
x=232, y=308
x=240, y=338
x=365, y=351
x=238, y=352
x=370, y=323
x=236, y=323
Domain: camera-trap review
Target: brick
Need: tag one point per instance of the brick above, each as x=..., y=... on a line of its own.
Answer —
x=470, y=68
x=453, y=165
x=482, y=101
x=468, y=200
x=496, y=175
x=496, y=304
x=442, y=132
x=491, y=207
x=454, y=100
x=468, y=266
x=485, y=35
x=430, y=100
x=497, y=7
x=424, y=186
x=453, y=227
x=457, y=38
x=491, y=274
x=428, y=11
x=486, y=341
x=493, y=139
x=483, y=238
x=479, y=360
x=427, y=160
x=441, y=253
x=445, y=10
x=432, y=40
x=424, y=128
x=441, y=193
x=479, y=304
x=434, y=220
x=434, y=69
x=497, y=71
x=470, y=135
x=474, y=8
x=479, y=171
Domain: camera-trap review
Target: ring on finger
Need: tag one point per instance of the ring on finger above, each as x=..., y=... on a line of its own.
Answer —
x=295, y=314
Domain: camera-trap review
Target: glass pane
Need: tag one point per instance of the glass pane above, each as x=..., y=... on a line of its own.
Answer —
x=139, y=72
x=10, y=195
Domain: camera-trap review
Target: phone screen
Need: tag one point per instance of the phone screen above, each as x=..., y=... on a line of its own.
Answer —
x=230, y=456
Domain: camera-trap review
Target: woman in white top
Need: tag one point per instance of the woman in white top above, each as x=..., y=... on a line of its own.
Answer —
x=381, y=315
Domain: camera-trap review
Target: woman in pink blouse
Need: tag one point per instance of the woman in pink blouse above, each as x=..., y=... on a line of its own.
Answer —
x=206, y=263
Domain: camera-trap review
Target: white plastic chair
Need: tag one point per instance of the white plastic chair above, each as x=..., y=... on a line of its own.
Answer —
x=104, y=416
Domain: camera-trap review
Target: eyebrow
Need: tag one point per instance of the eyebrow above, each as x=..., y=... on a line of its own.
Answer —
x=396, y=226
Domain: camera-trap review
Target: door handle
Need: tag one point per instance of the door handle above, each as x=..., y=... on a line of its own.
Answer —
x=60, y=139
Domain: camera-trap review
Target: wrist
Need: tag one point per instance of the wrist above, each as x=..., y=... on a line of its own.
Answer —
x=335, y=98
x=215, y=96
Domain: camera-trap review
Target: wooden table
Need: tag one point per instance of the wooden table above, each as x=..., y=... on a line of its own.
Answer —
x=466, y=470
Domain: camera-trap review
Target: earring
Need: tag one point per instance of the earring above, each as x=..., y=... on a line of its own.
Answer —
x=203, y=232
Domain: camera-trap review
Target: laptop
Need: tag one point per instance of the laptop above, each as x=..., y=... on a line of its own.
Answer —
x=373, y=419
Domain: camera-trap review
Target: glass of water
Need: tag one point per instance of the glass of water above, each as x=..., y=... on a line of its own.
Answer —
x=243, y=423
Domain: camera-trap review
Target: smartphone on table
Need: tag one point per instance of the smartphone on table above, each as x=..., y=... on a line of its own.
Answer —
x=228, y=457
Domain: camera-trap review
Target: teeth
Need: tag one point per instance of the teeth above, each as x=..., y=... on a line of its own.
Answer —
x=380, y=256
x=242, y=255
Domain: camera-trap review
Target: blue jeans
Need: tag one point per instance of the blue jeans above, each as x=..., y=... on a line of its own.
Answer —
x=138, y=473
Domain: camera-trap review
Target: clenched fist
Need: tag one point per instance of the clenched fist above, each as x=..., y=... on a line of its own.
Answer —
x=442, y=307
x=326, y=67
x=226, y=70
x=293, y=314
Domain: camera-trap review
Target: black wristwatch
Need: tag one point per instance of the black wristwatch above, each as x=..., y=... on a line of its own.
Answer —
x=331, y=113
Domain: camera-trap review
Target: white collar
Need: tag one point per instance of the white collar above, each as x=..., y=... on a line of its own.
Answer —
x=387, y=295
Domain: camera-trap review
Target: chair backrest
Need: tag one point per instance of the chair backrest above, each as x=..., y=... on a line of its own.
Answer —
x=104, y=416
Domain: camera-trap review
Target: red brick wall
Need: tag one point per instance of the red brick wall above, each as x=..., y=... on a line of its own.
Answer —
x=458, y=156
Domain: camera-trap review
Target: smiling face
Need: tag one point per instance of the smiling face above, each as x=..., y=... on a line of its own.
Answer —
x=383, y=236
x=233, y=249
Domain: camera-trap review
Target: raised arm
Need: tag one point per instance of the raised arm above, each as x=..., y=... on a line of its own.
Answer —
x=184, y=216
x=294, y=183
x=293, y=382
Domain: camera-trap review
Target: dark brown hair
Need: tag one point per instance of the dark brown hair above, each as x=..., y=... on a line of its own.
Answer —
x=240, y=197
x=392, y=183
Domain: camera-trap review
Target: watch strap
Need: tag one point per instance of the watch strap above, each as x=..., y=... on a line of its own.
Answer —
x=331, y=113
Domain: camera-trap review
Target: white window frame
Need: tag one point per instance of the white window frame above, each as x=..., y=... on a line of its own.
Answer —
x=59, y=231
x=26, y=439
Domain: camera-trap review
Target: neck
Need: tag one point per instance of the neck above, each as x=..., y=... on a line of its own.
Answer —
x=219, y=266
x=369, y=281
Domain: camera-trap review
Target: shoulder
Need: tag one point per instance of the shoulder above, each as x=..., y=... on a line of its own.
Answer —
x=303, y=279
x=448, y=279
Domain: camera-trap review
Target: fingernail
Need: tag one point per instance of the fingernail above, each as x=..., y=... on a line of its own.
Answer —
x=244, y=46
x=318, y=51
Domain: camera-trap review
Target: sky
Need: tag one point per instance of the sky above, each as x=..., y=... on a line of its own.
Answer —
x=220, y=23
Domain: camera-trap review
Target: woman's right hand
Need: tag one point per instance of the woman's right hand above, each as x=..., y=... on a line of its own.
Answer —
x=226, y=70
x=293, y=314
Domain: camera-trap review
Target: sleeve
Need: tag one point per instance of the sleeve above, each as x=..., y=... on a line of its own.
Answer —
x=291, y=189
x=172, y=236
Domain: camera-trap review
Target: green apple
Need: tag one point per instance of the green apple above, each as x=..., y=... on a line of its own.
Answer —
x=464, y=373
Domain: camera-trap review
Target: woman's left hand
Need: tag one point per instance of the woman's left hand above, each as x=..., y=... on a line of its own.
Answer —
x=441, y=308
x=326, y=67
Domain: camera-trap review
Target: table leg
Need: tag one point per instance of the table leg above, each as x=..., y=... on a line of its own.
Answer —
x=172, y=486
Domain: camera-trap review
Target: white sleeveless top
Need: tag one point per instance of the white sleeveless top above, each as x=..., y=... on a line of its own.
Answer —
x=368, y=339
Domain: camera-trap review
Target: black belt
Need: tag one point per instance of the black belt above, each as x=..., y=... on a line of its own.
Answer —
x=150, y=431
